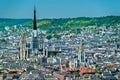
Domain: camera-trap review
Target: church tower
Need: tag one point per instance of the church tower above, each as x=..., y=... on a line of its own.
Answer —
x=80, y=50
x=35, y=34
x=23, y=49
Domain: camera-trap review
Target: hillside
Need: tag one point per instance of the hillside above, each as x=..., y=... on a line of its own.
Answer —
x=10, y=22
x=53, y=25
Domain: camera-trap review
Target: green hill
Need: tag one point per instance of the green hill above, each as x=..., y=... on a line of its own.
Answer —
x=10, y=22
x=61, y=24
x=58, y=25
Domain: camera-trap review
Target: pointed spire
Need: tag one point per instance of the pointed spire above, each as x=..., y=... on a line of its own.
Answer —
x=35, y=27
x=34, y=8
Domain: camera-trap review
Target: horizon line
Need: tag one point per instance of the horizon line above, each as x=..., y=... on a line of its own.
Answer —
x=65, y=17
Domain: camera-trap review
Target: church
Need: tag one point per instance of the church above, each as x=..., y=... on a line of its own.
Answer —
x=37, y=46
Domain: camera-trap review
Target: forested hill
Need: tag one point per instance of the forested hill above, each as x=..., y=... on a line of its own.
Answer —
x=64, y=23
x=10, y=22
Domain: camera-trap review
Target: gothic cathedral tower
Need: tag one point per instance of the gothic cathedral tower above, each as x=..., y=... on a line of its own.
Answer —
x=35, y=34
x=23, y=49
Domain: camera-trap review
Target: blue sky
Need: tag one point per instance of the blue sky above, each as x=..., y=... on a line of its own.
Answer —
x=58, y=8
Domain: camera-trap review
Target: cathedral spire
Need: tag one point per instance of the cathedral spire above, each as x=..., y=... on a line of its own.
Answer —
x=35, y=27
x=35, y=40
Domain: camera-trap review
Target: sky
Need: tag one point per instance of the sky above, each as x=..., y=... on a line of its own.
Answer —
x=59, y=8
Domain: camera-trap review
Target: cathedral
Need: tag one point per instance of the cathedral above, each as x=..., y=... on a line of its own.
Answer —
x=37, y=43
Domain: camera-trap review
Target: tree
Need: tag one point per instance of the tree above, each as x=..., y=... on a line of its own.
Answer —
x=51, y=54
